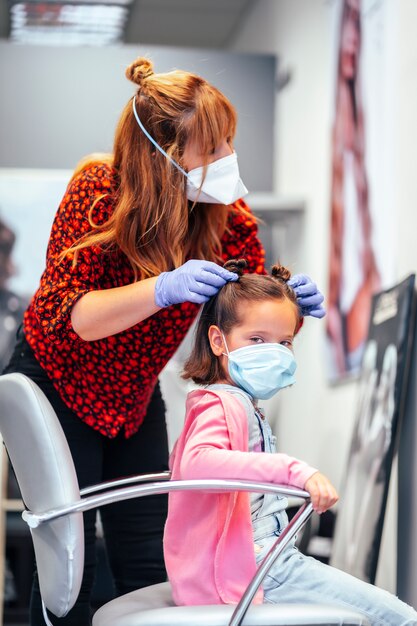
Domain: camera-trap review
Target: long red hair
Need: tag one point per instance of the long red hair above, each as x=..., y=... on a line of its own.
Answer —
x=153, y=223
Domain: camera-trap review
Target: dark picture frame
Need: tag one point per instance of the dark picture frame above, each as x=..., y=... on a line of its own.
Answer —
x=382, y=389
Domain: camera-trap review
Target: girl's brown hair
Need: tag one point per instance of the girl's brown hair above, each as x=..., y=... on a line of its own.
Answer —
x=153, y=223
x=203, y=367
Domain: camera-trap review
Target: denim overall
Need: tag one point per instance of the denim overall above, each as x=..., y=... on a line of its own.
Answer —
x=299, y=579
x=271, y=518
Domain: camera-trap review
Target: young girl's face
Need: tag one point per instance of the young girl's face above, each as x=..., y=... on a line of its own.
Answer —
x=265, y=321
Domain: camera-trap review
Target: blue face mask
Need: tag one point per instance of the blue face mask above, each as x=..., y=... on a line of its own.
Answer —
x=262, y=369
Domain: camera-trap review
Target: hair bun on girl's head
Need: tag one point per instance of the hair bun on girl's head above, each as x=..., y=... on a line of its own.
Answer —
x=280, y=272
x=237, y=266
x=139, y=70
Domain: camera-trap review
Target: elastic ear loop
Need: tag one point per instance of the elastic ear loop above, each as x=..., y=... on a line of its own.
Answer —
x=227, y=353
x=152, y=140
x=45, y=615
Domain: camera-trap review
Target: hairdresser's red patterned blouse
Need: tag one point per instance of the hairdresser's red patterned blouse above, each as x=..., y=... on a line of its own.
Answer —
x=108, y=383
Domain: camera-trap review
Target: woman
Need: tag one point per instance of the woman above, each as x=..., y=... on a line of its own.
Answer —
x=134, y=250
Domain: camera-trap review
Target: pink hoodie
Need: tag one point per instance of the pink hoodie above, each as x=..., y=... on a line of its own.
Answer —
x=208, y=540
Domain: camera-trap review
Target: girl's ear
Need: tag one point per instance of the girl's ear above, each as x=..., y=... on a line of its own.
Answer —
x=216, y=340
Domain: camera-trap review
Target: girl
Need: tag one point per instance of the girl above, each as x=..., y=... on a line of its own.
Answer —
x=213, y=542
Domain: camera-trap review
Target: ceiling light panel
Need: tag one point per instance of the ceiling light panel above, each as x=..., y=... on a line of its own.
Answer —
x=69, y=23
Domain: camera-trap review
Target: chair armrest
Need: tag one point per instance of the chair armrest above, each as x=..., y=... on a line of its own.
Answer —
x=167, y=486
x=111, y=492
x=129, y=480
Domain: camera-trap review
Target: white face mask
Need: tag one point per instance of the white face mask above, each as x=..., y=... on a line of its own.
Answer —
x=222, y=183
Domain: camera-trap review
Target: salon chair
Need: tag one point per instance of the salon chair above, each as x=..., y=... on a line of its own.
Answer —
x=54, y=504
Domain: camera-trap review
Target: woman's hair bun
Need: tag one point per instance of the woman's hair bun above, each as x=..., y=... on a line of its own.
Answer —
x=236, y=265
x=139, y=70
x=280, y=272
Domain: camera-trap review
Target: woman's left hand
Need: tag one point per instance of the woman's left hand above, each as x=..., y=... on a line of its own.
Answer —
x=309, y=298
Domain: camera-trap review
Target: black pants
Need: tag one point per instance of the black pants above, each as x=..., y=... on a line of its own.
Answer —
x=132, y=529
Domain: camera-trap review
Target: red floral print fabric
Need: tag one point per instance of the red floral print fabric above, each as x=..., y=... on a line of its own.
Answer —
x=108, y=383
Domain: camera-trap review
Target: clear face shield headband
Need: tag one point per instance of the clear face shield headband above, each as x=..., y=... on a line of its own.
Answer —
x=220, y=185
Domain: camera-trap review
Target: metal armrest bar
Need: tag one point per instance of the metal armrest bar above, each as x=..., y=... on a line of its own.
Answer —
x=129, y=480
x=126, y=493
x=297, y=522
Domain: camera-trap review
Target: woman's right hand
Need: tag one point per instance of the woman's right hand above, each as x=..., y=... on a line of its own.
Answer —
x=195, y=281
x=323, y=494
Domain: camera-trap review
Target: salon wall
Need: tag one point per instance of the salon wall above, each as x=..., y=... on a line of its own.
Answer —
x=314, y=420
x=58, y=104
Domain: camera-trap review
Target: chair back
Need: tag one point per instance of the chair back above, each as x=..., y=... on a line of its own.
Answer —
x=46, y=476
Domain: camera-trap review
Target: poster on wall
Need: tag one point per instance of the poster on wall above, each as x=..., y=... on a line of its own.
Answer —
x=361, y=226
x=381, y=400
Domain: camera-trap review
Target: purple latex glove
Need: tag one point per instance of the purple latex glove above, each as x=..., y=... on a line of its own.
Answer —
x=309, y=298
x=195, y=281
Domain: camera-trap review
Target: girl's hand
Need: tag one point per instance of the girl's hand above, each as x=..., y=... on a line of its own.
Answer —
x=323, y=494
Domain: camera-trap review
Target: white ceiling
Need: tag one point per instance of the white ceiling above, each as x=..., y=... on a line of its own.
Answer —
x=194, y=23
